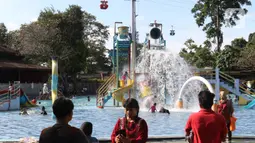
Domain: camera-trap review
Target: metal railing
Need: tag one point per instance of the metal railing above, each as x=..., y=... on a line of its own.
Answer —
x=105, y=87
x=225, y=78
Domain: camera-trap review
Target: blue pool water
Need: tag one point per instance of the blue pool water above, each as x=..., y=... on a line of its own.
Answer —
x=15, y=126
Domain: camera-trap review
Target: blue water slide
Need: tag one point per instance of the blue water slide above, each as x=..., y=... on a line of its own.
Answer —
x=250, y=105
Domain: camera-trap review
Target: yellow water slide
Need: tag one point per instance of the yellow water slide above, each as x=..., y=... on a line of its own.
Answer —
x=118, y=94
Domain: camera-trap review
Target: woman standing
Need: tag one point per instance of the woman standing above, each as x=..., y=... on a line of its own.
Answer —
x=131, y=128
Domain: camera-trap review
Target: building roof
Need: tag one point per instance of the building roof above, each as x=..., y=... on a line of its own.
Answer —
x=4, y=49
x=18, y=65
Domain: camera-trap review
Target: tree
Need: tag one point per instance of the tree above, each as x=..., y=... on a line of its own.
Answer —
x=247, y=55
x=214, y=11
x=199, y=56
x=3, y=34
x=72, y=36
x=229, y=56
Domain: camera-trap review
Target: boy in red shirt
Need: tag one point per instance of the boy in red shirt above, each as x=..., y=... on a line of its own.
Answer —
x=206, y=125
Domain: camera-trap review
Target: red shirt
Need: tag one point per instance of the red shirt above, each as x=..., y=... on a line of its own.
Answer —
x=207, y=127
x=136, y=131
x=153, y=108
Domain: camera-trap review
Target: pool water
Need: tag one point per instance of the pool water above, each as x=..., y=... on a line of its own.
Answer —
x=15, y=126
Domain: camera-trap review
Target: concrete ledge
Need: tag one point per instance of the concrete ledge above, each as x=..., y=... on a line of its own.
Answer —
x=154, y=139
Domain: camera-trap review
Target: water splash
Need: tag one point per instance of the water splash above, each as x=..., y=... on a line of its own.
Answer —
x=166, y=73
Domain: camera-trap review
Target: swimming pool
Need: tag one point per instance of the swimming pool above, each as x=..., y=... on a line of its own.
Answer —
x=15, y=126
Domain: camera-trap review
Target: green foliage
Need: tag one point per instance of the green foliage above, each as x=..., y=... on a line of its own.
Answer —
x=74, y=36
x=247, y=55
x=229, y=56
x=210, y=14
x=199, y=56
x=3, y=34
x=240, y=54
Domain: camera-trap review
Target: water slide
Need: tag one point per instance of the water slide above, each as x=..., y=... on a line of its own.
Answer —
x=118, y=94
x=250, y=105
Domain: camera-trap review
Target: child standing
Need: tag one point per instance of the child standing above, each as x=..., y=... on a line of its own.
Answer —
x=153, y=108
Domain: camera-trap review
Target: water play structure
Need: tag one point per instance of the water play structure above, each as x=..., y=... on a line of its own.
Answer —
x=116, y=88
x=167, y=76
x=14, y=98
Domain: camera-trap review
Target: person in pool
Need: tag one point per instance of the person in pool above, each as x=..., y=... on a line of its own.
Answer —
x=87, y=129
x=43, y=111
x=163, y=110
x=23, y=111
x=153, y=108
x=131, y=128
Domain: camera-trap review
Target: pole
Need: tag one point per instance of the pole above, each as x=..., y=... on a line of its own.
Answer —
x=54, y=81
x=218, y=30
x=133, y=60
x=117, y=62
x=129, y=94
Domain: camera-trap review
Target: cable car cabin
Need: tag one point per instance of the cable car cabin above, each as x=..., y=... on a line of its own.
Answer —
x=104, y=4
x=172, y=32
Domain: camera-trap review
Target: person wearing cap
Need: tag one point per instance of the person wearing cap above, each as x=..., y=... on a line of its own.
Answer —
x=87, y=129
x=131, y=128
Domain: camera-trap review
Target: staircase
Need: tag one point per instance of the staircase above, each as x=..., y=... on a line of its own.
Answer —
x=231, y=84
x=103, y=90
x=10, y=99
x=4, y=95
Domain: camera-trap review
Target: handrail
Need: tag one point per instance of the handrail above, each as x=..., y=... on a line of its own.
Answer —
x=232, y=80
x=106, y=86
x=226, y=77
x=105, y=83
x=102, y=90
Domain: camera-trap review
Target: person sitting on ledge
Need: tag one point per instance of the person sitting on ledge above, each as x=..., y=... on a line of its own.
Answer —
x=206, y=125
x=87, y=129
x=163, y=110
x=131, y=128
x=62, y=132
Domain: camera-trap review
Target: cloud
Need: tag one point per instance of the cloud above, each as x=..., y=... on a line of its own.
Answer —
x=12, y=26
x=109, y=43
x=33, y=20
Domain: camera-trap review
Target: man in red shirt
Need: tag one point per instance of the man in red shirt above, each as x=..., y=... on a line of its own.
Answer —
x=206, y=125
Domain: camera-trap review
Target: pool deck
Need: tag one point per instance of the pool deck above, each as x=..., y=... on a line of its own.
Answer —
x=169, y=139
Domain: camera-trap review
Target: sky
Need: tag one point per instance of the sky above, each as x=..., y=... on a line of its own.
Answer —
x=176, y=13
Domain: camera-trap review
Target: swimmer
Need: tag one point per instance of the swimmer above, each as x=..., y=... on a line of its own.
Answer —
x=23, y=112
x=88, y=98
x=163, y=110
x=43, y=111
x=153, y=108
